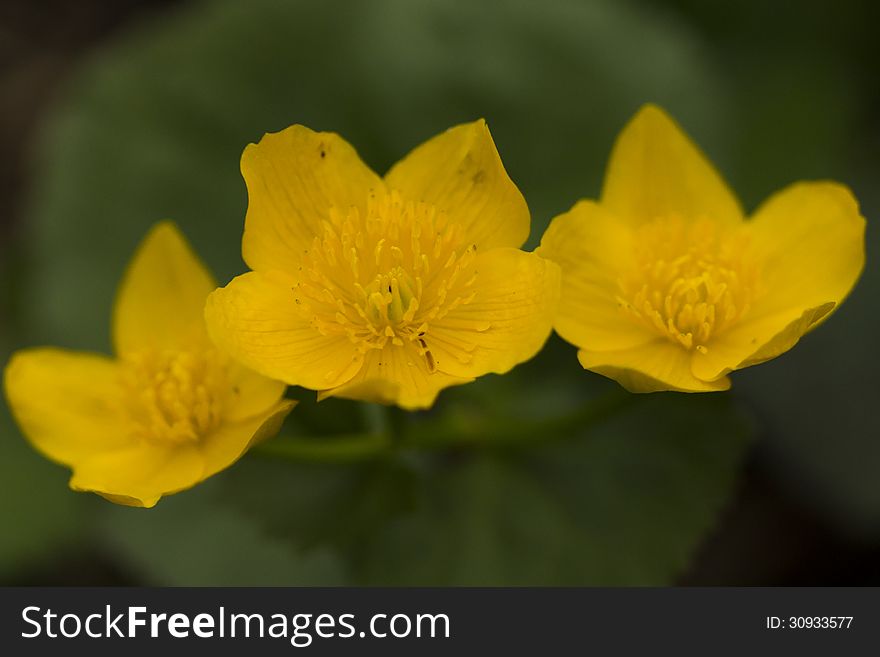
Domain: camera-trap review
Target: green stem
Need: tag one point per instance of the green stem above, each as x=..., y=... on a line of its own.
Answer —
x=348, y=447
x=399, y=435
x=520, y=433
x=375, y=418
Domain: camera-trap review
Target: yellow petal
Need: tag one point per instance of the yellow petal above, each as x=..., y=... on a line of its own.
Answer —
x=140, y=474
x=656, y=170
x=508, y=321
x=293, y=178
x=396, y=375
x=742, y=347
x=810, y=242
x=257, y=322
x=66, y=403
x=651, y=367
x=810, y=239
x=252, y=393
x=461, y=173
x=229, y=442
x=161, y=298
x=592, y=248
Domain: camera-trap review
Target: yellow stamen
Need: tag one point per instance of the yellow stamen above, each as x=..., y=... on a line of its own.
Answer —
x=405, y=266
x=690, y=281
x=174, y=397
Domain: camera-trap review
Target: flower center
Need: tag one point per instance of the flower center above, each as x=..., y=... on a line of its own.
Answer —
x=690, y=280
x=174, y=396
x=386, y=275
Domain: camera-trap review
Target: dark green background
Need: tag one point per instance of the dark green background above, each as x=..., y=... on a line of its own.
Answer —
x=126, y=113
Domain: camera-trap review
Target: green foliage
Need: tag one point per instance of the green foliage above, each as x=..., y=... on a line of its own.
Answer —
x=191, y=541
x=621, y=499
x=618, y=503
x=39, y=516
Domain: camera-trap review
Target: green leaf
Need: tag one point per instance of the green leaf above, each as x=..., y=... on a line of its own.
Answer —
x=189, y=540
x=624, y=503
x=41, y=519
x=313, y=504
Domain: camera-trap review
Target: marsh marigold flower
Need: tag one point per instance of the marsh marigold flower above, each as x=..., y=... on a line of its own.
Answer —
x=665, y=284
x=168, y=411
x=383, y=289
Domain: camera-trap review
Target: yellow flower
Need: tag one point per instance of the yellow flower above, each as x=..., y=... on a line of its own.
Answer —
x=383, y=289
x=665, y=284
x=168, y=411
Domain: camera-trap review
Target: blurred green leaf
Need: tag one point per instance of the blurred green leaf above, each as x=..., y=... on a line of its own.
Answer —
x=794, y=121
x=622, y=503
x=188, y=540
x=312, y=504
x=40, y=517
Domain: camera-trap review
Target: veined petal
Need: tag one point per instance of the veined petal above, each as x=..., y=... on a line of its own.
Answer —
x=257, y=322
x=252, y=393
x=396, y=375
x=810, y=241
x=140, y=474
x=66, y=403
x=507, y=322
x=160, y=300
x=232, y=439
x=592, y=248
x=726, y=353
x=461, y=173
x=656, y=170
x=656, y=366
x=293, y=178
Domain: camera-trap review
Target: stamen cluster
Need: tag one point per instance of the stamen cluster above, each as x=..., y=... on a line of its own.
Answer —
x=690, y=281
x=174, y=396
x=386, y=275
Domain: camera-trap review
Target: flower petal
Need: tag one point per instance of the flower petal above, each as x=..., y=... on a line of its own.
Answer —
x=810, y=241
x=651, y=367
x=140, y=474
x=161, y=298
x=255, y=320
x=656, y=170
x=592, y=248
x=229, y=443
x=461, y=173
x=293, y=178
x=736, y=350
x=508, y=321
x=396, y=375
x=66, y=403
x=810, y=238
x=252, y=393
